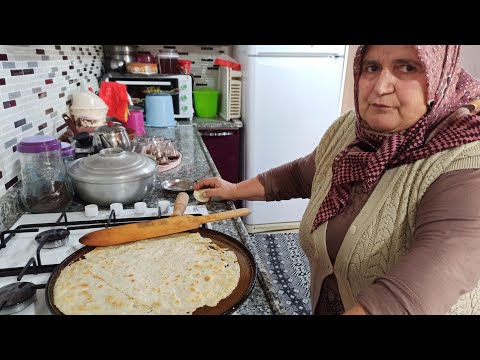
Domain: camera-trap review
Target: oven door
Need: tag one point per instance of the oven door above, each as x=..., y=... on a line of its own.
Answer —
x=135, y=89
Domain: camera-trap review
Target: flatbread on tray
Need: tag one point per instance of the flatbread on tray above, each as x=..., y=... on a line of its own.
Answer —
x=174, y=274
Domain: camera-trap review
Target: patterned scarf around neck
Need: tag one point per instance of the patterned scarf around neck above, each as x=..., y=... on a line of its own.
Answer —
x=451, y=121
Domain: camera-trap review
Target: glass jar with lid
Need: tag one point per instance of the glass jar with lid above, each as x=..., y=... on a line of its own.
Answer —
x=68, y=153
x=45, y=185
x=167, y=61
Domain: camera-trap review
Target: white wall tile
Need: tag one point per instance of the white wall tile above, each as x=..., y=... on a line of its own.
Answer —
x=29, y=106
x=203, y=76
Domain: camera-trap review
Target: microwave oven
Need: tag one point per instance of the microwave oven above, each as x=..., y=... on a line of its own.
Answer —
x=136, y=84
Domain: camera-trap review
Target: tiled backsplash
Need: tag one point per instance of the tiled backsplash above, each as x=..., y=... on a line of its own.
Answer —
x=203, y=56
x=36, y=86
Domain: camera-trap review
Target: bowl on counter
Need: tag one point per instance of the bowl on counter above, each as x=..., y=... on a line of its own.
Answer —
x=112, y=176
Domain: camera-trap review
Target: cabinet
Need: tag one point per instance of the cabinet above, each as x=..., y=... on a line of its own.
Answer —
x=224, y=147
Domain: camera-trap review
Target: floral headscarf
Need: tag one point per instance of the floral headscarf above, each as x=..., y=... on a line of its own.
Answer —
x=451, y=121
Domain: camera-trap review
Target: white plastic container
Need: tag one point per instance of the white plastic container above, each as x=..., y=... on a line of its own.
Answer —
x=88, y=109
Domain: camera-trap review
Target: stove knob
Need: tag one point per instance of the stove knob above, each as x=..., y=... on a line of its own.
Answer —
x=164, y=206
x=117, y=207
x=140, y=207
x=91, y=210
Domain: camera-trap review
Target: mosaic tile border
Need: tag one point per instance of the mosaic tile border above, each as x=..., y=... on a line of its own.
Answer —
x=36, y=86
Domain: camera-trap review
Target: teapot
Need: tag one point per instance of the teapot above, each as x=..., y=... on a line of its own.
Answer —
x=111, y=136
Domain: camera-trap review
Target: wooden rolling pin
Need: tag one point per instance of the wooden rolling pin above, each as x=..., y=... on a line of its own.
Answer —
x=180, y=204
x=154, y=228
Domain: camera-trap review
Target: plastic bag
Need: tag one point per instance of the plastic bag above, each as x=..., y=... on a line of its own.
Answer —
x=225, y=60
x=116, y=97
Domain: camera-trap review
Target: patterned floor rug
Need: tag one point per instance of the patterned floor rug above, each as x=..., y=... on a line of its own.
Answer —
x=287, y=269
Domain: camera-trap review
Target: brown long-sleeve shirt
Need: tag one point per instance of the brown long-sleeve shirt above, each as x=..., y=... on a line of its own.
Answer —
x=443, y=262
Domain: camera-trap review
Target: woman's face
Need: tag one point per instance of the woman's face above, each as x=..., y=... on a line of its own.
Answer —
x=392, y=89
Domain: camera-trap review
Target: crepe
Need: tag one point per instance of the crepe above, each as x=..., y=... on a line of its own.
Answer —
x=174, y=274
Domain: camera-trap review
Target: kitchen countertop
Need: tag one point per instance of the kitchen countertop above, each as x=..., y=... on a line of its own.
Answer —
x=213, y=123
x=196, y=163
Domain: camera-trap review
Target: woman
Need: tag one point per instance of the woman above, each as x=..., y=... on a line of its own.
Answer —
x=393, y=219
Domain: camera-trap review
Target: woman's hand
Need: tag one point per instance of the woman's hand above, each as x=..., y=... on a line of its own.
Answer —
x=250, y=189
x=218, y=188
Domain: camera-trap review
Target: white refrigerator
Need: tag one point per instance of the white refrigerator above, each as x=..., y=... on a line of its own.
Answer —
x=291, y=95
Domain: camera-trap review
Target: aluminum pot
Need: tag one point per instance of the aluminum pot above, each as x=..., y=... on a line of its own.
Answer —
x=113, y=175
x=119, y=49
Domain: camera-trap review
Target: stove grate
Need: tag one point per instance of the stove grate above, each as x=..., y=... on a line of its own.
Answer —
x=35, y=266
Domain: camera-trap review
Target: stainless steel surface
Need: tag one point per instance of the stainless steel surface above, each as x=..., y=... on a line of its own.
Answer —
x=120, y=49
x=105, y=143
x=125, y=57
x=113, y=175
x=178, y=185
x=111, y=136
x=115, y=64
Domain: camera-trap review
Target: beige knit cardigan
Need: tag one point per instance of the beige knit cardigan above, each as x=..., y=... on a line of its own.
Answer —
x=383, y=230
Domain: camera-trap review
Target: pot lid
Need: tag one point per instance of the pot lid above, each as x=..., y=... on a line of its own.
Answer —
x=112, y=166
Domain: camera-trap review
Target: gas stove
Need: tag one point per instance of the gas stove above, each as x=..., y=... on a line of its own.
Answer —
x=33, y=247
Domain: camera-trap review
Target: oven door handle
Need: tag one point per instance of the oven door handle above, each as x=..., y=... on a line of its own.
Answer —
x=134, y=82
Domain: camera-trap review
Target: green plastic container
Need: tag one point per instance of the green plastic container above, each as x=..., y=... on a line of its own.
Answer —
x=206, y=102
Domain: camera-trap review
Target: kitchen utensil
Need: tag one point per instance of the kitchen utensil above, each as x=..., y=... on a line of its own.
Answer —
x=111, y=136
x=248, y=274
x=70, y=123
x=45, y=184
x=120, y=49
x=87, y=99
x=170, y=164
x=105, y=143
x=136, y=122
x=88, y=109
x=159, y=110
x=230, y=86
x=145, y=57
x=206, y=102
x=154, y=228
x=180, y=204
x=113, y=175
x=117, y=56
x=176, y=185
x=184, y=66
x=167, y=61
x=117, y=65
x=84, y=140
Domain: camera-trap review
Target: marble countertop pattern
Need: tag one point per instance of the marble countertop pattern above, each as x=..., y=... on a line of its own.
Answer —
x=196, y=164
x=213, y=123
